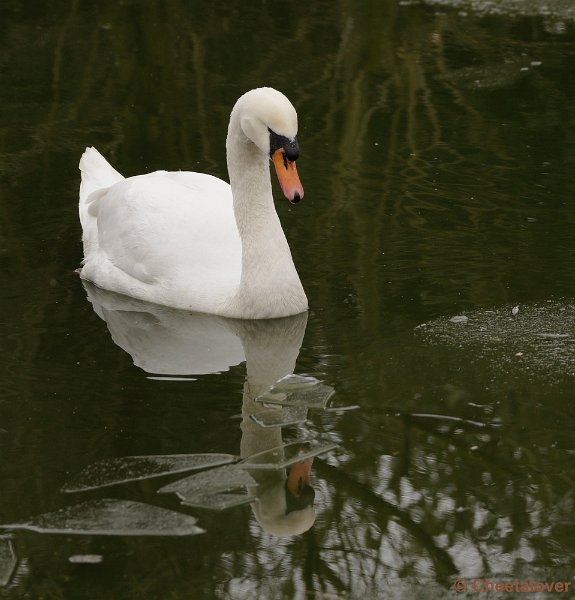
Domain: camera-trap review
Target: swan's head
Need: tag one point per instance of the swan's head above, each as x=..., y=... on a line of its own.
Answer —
x=269, y=120
x=285, y=507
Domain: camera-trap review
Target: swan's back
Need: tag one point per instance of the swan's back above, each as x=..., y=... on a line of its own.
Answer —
x=161, y=237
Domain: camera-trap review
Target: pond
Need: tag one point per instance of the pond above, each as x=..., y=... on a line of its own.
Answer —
x=434, y=392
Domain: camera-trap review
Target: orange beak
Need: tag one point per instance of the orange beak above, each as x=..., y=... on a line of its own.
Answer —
x=299, y=477
x=287, y=175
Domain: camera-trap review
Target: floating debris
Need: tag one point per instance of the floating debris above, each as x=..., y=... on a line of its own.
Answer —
x=286, y=455
x=452, y=418
x=552, y=10
x=111, y=517
x=459, y=319
x=544, y=335
x=220, y=500
x=298, y=390
x=113, y=471
x=340, y=409
x=216, y=489
x=86, y=559
x=8, y=560
x=280, y=417
x=553, y=336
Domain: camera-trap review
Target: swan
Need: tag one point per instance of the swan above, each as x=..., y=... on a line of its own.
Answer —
x=192, y=241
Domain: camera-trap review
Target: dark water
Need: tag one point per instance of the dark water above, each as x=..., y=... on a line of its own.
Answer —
x=438, y=152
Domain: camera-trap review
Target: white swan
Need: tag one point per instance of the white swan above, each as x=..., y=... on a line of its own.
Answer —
x=191, y=241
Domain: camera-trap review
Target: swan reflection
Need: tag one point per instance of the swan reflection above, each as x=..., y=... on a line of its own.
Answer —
x=163, y=341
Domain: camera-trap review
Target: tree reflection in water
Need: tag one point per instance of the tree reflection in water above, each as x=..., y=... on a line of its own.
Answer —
x=437, y=159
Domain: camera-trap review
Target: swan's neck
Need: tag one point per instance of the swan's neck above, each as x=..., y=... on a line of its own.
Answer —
x=269, y=285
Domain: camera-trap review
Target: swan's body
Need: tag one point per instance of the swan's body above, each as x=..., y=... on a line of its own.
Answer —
x=191, y=241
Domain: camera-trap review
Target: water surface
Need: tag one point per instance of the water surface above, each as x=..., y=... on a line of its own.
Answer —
x=437, y=153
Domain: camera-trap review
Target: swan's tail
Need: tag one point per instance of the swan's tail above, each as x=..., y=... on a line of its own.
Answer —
x=97, y=173
x=97, y=176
